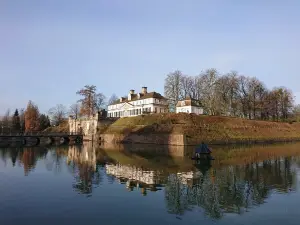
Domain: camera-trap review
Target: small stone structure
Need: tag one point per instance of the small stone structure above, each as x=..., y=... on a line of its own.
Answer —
x=86, y=125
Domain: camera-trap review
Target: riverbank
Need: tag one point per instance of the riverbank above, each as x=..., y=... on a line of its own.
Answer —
x=188, y=129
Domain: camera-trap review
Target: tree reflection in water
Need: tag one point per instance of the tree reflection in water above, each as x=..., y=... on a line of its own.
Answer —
x=26, y=157
x=230, y=190
x=214, y=190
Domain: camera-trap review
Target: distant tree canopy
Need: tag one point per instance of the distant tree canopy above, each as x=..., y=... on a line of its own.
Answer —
x=113, y=99
x=230, y=94
x=44, y=122
x=91, y=101
x=75, y=110
x=32, y=115
x=58, y=114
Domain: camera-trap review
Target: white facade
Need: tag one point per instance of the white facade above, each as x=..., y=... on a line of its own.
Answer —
x=189, y=106
x=190, y=109
x=138, y=104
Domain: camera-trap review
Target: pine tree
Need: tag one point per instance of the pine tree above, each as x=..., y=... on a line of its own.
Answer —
x=44, y=122
x=16, y=125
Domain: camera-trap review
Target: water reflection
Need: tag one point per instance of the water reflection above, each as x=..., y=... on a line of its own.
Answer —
x=231, y=189
x=81, y=161
x=215, y=188
x=26, y=158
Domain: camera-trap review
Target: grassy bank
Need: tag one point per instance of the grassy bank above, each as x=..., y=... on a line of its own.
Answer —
x=63, y=127
x=212, y=129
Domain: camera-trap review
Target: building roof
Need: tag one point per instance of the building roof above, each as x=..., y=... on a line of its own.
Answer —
x=188, y=102
x=134, y=97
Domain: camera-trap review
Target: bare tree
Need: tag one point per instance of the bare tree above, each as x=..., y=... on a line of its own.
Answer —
x=91, y=100
x=75, y=110
x=22, y=119
x=296, y=112
x=197, y=87
x=58, y=114
x=173, y=89
x=209, y=80
x=113, y=99
x=231, y=94
x=88, y=100
x=6, y=118
x=6, y=121
x=100, y=102
x=223, y=95
x=186, y=83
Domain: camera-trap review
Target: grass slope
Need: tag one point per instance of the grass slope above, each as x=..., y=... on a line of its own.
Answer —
x=61, y=128
x=206, y=128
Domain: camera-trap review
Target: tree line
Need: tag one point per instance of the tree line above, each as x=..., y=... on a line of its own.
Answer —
x=24, y=120
x=31, y=120
x=231, y=94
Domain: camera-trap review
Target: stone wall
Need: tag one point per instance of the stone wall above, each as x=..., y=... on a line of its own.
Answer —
x=161, y=139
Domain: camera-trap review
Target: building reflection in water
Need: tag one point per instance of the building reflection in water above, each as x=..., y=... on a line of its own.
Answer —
x=135, y=177
x=81, y=161
x=215, y=189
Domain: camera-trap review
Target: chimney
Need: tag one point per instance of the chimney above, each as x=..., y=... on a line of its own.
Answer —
x=121, y=99
x=131, y=92
x=144, y=90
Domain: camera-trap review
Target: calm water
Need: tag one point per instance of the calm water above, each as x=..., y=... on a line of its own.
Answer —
x=84, y=185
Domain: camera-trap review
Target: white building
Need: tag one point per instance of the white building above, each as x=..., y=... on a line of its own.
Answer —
x=138, y=103
x=189, y=105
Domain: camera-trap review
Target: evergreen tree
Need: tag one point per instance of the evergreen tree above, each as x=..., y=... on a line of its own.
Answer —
x=16, y=125
x=44, y=122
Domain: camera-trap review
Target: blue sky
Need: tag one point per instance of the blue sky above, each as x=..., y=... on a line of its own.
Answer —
x=50, y=49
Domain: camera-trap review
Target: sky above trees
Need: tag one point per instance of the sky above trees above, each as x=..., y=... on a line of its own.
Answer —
x=50, y=49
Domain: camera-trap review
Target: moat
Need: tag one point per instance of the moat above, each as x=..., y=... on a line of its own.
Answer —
x=129, y=184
